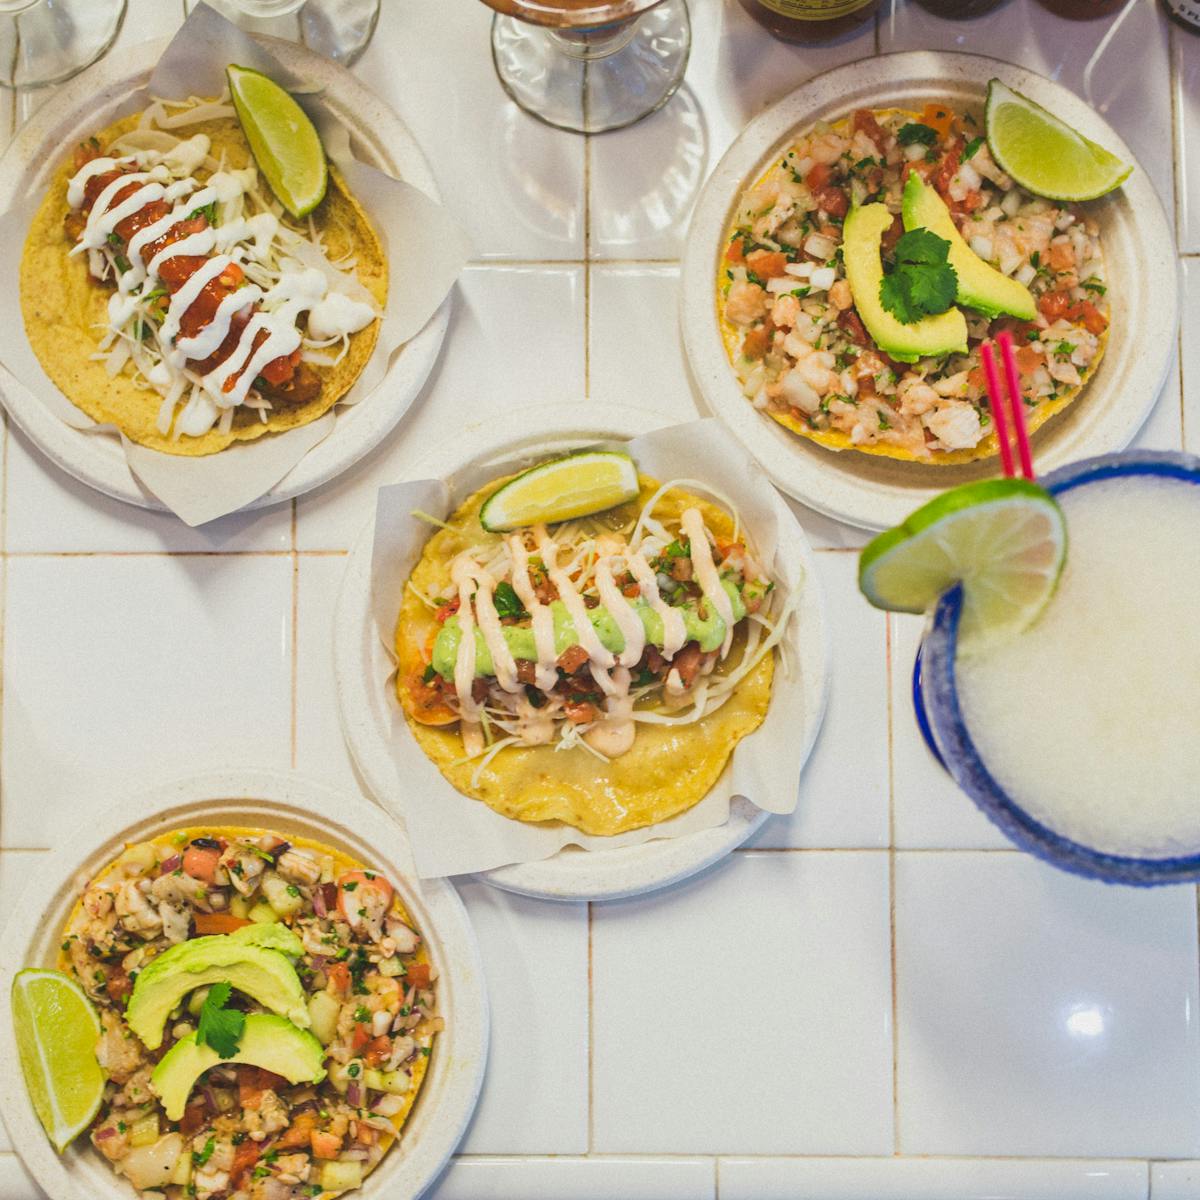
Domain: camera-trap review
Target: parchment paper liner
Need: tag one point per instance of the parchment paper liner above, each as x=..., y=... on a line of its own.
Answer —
x=426, y=250
x=452, y=834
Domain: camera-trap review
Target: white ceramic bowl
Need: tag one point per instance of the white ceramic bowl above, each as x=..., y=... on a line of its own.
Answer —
x=362, y=663
x=288, y=804
x=381, y=139
x=1139, y=250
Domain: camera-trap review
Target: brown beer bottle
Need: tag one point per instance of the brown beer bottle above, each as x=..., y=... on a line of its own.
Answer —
x=1083, y=10
x=809, y=20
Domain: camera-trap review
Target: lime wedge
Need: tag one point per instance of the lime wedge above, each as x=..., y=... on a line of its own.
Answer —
x=1044, y=155
x=561, y=490
x=57, y=1028
x=1005, y=540
x=283, y=140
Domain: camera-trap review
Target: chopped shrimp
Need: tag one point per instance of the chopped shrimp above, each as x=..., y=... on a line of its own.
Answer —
x=955, y=425
x=746, y=303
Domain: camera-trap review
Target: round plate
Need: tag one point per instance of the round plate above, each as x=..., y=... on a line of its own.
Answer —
x=1139, y=251
x=258, y=798
x=382, y=140
x=361, y=663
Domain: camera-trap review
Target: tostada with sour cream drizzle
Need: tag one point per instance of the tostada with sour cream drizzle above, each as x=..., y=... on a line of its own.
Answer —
x=267, y=1009
x=598, y=671
x=165, y=289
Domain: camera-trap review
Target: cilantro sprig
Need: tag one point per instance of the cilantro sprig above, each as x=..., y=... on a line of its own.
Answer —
x=220, y=1027
x=507, y=602
x=914, y=131
x=922, y=283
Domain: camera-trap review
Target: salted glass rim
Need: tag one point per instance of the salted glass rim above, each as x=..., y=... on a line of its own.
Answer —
x=941, y=721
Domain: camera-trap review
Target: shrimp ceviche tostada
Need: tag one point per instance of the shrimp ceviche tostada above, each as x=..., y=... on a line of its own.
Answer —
x=167, y=291
x=864, y=270
x=267, y=1012
x=598, y=671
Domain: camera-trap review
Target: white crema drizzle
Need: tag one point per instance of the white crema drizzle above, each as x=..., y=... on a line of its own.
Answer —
x=612, y=733
x=268, y=253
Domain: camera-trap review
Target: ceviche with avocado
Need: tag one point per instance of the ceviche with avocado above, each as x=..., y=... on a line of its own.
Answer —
x=267, y=1010
x=864, y=270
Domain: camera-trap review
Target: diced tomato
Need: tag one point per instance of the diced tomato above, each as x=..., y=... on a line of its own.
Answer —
x=253, y=1082
x=280, y=370
x=921, y=167
x=339, y=977
x=194, y=1117
x=864, y=122
x=687, y=663
x=818, y=177
x=324, y=1144
x=976, y=378
x=1060, y=256
x=350, y=899
x=833, y=200
x=297, y=1134
x=200, y=862
x=1094, y=321
x=244, y=1157
x=447, y=610
x=571, y=659
x=735, y=252
x=767, y=264
x=218, y=922
x=1054, y=305
x=379, y=1050
x=948, y=166
x=360, y=1037
x=417, y=974
x=756, y=343
x=119, y=986
x=1029, y=358
x=851, y=323
x=580, y=713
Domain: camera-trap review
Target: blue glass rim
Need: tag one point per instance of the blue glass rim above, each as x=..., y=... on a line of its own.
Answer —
x=941, y=721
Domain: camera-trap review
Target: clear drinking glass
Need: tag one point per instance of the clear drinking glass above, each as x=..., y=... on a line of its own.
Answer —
x=47, y=41
x=943, y=726
x=338, y=29
x=590, y=65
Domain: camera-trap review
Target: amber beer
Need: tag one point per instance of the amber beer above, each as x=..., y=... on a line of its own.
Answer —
x=809, y=20
x=958, y=9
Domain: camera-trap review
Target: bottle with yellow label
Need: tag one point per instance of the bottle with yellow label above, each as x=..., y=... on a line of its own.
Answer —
x=809, y=20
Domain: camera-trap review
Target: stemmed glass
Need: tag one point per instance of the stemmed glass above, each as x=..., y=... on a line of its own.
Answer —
x=590, y=65
x=47, y=41
x=338, y=29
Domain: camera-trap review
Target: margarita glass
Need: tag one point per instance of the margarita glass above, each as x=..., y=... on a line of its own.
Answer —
x=1078, y=738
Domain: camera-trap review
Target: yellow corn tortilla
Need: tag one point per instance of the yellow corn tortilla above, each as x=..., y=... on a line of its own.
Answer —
x=65, y=310
x=835, y=439
x=341, y=863
x=670, y=767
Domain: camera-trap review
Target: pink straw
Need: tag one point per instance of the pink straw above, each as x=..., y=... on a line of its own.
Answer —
x=996, y=400
x=1005, y=341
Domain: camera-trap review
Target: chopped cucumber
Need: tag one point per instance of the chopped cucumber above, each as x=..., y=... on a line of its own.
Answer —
x=341, y=1176
x=285, y=898
x=395, y=1083
x=238, y=906
x=262, y=914
x=144, y=1131
x=323, y=1011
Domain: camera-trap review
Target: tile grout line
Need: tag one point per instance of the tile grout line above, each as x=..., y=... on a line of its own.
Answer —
x=295, y=631
x=888, y=645
x=591, y=1023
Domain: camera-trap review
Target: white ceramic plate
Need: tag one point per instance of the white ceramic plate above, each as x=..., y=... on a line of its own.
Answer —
x=874, y=492
x=258, y=798
x=362, y=663
x=382, y=140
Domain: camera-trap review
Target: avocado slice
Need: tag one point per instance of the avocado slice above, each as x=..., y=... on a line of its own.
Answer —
x=980, y=285
x=262, y=973
x=267, y=1041
x=929, y=337
x=270, y=935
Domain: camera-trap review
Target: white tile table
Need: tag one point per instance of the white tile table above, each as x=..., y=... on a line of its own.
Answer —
x=878, y=1000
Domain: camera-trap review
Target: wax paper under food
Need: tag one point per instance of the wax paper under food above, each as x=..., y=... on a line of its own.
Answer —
x=453, y=834
x=426, y=250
